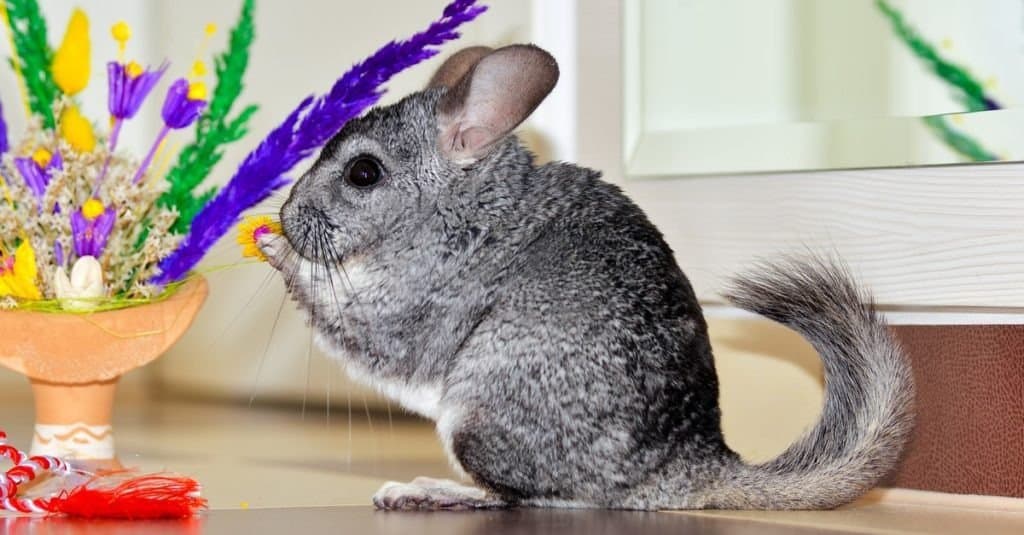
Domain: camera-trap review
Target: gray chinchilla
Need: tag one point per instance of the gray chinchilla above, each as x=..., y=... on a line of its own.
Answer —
x=537, y=316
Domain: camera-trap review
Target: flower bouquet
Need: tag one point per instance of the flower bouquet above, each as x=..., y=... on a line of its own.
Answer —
x=98, y=246
x=84, y=224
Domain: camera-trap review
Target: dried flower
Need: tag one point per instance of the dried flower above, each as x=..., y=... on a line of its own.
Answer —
x=91, y=228
x=4, y=143
x=71, y=62
x=184, y=103
x=250, y=231
x=36, y=171
x=84, y=288
x=129, y=86
x=182, y=107
x=18, y=273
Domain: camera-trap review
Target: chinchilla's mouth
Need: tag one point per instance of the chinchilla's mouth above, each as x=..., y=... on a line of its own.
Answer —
x=310, y=233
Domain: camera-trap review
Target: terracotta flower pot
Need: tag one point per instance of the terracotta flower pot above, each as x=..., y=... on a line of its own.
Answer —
x=74, y=361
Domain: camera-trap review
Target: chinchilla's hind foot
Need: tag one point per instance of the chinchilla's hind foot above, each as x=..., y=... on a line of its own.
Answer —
x=427, y=494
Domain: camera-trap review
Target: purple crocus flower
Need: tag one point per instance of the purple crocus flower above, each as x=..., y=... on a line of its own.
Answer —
x=36, y=173
x=183, y=105
x=4, y=145
x=91, y=227
x=128, y=87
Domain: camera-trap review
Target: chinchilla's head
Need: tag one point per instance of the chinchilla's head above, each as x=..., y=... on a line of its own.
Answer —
x=386, y=171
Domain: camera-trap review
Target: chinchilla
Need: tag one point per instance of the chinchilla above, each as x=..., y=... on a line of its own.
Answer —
x=537, y=316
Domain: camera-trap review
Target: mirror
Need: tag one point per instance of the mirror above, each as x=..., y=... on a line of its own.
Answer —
x=727, y=86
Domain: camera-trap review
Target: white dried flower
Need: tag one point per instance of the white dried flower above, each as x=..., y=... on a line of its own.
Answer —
x=84, y=288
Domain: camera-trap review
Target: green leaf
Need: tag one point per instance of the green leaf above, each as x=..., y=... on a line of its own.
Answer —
x=215, y=129
x=33, y=55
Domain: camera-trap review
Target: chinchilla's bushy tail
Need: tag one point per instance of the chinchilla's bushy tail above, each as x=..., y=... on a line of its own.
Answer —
x=869, y=391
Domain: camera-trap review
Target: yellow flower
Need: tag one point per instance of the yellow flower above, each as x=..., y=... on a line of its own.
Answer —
x=197, y=91
x=92, y=209
x=121, y=31
x=133, y=69
x=77, y=130
x=18, y=274
x=249, y=232
x=42, y=157
x=70, y=65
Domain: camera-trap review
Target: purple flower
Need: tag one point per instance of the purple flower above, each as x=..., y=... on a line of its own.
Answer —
x=128, y=87
x=91, y=227
x=4, y=145
x=184, y=103
x=37, y=169
x=311, y=124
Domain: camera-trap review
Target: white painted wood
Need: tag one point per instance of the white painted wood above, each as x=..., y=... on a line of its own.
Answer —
x=553, y=26
x=920, y=237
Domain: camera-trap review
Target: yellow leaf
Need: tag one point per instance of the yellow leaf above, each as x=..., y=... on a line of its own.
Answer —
x=20, y=280
x=77, y=130
x=71, y=61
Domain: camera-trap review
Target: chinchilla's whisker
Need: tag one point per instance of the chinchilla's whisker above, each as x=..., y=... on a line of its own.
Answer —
x=391, y=422
x=348, y=402
x=264, y=284
x=266, y=350
x=330, y=376
x=330, y=274
x=369, y=419
x=339, y=267
x=309, y=359
x=289, y=278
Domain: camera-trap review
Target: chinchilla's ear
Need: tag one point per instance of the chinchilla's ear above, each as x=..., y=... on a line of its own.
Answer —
x=497, y=93
x=457, y=65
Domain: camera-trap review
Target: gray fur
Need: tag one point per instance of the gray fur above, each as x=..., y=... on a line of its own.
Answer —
x=540, y=319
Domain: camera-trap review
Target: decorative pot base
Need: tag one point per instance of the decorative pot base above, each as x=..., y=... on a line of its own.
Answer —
x=73, y=421
x=74, y=361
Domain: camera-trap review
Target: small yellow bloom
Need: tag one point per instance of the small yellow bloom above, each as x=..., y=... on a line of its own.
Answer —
x=77, y=130
x=197, y=91
x=121, y=31
x=249, y=232
x=92, y=209
x=133, y=69
x=71, y=62
x=18, y=277
x=198, y=68
x=210, y=29
x=42, y=157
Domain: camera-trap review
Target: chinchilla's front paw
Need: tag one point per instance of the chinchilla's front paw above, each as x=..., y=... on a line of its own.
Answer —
x=278, y=251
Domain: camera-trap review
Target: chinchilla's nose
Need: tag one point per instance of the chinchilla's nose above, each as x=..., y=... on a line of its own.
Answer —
x=306, y=227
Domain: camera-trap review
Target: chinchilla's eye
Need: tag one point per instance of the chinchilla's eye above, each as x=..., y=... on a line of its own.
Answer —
x=363, y=172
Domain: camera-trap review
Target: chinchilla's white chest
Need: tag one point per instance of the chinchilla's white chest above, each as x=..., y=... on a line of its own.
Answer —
x=421, y=399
